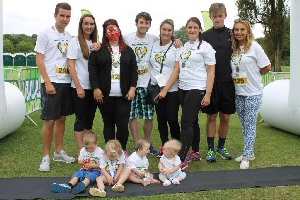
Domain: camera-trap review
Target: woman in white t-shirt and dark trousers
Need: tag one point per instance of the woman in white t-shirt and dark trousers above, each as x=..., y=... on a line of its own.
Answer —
x=78, y=54
x=113, y=77
x=196, y=78
x=249, y=62
x=164, y=52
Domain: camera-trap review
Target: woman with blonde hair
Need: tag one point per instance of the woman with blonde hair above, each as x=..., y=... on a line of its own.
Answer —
x=249, y=62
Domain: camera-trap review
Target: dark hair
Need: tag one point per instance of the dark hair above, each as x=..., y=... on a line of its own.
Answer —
x=197, y=21
x=105, y=40
x=62, y=5
x=83, y=45
x=166, y=21
x=145, y=15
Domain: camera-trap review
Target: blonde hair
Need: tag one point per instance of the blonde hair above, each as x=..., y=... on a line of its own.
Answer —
x=249, y=39
x=173, y=145
x=216, y=8
x=113, y=149
x=140, y=144
x=90, y=138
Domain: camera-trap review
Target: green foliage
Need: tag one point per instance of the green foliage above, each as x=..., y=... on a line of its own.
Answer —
x=181, y=33
x=273, y=16
x=8, y=46
x=18, y=43
x=22, y=151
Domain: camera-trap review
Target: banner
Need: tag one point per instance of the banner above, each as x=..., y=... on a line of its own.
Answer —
x=206, y=20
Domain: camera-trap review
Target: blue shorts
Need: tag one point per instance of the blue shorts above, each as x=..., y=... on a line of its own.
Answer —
x=91, y=175
x=139, y=107
x=172, y=176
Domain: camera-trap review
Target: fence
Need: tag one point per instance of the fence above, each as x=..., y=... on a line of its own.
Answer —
x=29, y=82
x=273, y=76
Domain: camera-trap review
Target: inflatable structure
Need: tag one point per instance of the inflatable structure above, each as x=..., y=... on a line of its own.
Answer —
x=281, y=99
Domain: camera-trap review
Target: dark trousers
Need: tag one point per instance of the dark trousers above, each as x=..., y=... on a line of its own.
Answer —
x=190, y=101
x=85, y=110
x=167, y=113
x=115, y=113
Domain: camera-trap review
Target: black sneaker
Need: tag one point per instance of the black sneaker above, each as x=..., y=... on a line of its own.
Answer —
x=153, y=151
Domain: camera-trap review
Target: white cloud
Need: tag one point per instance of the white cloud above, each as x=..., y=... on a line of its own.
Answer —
x=31, y=16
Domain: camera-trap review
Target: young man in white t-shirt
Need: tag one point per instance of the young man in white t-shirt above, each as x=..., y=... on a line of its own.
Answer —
x=141, y=42
x=56, y=102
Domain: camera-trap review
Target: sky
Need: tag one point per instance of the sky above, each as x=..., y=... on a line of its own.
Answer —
x=32, y=16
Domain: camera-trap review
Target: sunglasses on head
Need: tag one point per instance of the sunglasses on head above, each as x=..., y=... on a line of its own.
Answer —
x=240, y=20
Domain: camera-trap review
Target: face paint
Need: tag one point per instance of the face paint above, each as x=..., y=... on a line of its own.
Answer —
x=113, y=32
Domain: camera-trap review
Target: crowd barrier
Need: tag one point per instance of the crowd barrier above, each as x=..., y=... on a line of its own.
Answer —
x=273, y=76
x=28, y=80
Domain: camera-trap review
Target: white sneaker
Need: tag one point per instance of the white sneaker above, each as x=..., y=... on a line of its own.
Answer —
x=63, y=157
x=175, y=181
x=244, y=164
x=167, y=183
x=239, y=159
x=45, y=165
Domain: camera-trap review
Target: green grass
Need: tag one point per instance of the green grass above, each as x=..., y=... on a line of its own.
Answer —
x=285, y=68
x=21, y=154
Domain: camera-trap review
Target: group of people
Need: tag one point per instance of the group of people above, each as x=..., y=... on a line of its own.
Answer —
x=216, y=72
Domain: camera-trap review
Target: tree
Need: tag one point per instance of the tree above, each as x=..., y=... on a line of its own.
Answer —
x=181, y=34
x=8, y=46
x=19, y=43
x=25, y=47
x=271, y=14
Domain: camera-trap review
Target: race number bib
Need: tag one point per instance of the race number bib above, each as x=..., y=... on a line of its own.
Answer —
x=240, y=78
x=142, y=69
x=61, y=70
x=115, y=74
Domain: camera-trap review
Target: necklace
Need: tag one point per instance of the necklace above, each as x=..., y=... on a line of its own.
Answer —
x=186, y=54
x=236, y=59
x=115, y=56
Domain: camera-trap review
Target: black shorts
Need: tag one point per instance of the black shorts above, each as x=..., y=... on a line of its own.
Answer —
x=222, y=99
x=56, y=105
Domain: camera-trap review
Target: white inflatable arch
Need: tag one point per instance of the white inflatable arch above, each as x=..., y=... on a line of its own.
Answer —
x=12, y=102
x=281, y=99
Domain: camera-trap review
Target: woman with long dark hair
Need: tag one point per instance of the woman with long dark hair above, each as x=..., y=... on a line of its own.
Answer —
x=196, y=78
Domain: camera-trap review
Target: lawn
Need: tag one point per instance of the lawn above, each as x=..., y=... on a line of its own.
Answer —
x=21, y=154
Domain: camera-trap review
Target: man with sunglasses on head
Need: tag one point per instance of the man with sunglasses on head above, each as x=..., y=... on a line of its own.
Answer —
x=223, y=94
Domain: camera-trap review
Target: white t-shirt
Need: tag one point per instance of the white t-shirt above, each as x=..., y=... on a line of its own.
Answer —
x=94, y=157
x=115, y=73
x=170, y=58
x=135, y=161
x=81, y=64
x=250, y=63
x=193, y=61
x=170, y=164
x=112, y=166
x=142, y=48
x=54, y=46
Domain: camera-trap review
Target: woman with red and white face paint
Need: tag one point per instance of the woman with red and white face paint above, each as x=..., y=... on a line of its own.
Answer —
x=113, y=78
x=248, y=62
